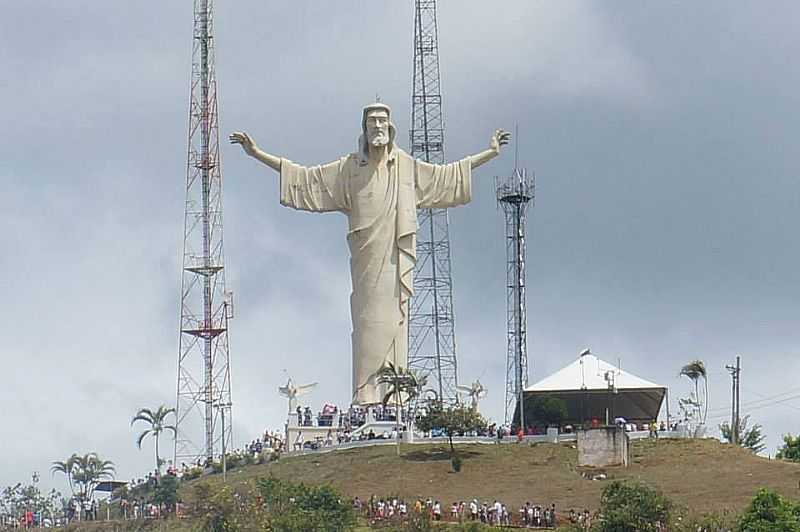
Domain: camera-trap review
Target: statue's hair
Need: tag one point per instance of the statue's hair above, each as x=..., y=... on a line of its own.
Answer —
x=363, y=143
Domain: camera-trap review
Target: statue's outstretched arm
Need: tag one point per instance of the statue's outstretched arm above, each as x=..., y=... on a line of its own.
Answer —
x=250, y=148
x=499, y=139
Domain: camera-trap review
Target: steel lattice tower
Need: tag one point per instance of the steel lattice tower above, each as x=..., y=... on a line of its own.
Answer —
x=514, y=194
x=204, y=378
x=431, y=334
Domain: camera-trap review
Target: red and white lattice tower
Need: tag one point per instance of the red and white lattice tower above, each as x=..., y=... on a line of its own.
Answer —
x=204, y=376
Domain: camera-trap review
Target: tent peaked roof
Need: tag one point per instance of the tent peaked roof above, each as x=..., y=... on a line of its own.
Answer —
x=589, y=373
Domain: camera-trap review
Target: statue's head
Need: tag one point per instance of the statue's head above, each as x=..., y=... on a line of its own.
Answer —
x=376, y=128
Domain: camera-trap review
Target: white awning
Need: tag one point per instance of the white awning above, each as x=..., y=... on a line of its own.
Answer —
x=590, y=373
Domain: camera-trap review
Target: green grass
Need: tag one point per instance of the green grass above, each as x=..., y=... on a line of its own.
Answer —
x=703, y=475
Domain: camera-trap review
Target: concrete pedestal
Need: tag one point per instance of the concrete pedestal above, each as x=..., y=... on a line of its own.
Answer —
x=603, y=447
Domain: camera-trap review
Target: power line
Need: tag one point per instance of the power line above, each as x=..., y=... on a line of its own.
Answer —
x=766, y=398
x=765, y=405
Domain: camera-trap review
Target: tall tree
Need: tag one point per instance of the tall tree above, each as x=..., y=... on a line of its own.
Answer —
x=696, y=370
x=401, y=381
x=84, y=473
x=67, y=467
x=749, y=437
x=158, y=423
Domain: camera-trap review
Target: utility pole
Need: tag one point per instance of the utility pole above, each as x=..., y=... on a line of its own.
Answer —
x=735, y=413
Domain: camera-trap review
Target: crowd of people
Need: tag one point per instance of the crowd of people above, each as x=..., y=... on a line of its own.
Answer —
x=495, y=513
x=350, y=419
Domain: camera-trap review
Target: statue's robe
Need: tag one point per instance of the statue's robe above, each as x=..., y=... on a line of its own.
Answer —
x=381, y=202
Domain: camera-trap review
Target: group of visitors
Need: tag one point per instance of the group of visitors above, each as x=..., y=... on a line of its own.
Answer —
x=141, y=509
x=582, y=519
x=304, y=416
x=329, y=416
x=495, y=513
x=534, y=516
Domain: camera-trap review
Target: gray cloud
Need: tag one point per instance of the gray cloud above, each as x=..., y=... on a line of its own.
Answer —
x=663, y=138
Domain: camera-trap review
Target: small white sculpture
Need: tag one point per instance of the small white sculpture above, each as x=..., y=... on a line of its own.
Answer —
x=475, y=392
x=292, y=392
x=379, y=188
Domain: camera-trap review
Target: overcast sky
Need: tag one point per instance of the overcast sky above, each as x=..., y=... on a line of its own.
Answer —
x=663, y=137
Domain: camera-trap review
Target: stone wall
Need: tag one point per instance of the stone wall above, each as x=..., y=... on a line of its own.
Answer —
x=602, y=447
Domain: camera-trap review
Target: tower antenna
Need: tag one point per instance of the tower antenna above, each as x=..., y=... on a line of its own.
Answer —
x=204, y=376
x=514, y=194
x=431, y=330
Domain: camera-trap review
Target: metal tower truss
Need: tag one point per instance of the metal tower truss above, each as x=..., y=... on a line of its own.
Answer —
x=204, y=377
x=514, y=195
x=432, y=342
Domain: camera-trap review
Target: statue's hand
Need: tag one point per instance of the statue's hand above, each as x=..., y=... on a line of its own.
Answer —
x=246, y=141
x=500, y=138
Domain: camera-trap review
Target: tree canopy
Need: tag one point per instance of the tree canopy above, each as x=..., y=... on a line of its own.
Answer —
x=451, y=420
x=632, y=506
x=157, y=419
x=84, y=473
x=769, y=512
x=548, y=410
x=749, y=437
x=790, y=450
x=694, y=371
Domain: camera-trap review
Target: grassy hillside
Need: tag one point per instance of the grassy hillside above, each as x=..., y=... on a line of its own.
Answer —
x=703, y=475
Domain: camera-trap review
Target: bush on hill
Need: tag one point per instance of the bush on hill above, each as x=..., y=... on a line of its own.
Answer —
x=296, y=507
x=632, y=507
x=769, y=512
x=275, y=505
x=790, y=450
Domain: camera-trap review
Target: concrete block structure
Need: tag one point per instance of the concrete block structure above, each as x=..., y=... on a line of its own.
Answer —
x=603, y=447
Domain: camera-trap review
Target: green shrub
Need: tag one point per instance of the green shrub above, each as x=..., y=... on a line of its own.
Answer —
x=769, y=512
x=166, y=491
x=192, y=473
x=298, y=508
x=631, y=507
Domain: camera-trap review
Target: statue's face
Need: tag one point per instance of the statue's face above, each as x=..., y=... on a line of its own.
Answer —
x=378, y=127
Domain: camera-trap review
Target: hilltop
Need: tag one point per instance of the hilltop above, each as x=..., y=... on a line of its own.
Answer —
x=703, y=475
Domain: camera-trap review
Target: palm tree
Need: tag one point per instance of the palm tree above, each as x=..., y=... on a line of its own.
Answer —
x=67, y=467
x=401, y=382
x=84, y=472
x=694, y=370
x=157, y=421
x=89, y=470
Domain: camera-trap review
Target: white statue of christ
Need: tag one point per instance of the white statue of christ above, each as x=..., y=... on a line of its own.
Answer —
x=379, y=189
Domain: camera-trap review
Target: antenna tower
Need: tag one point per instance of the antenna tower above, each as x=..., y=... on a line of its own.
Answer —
x=431, y=334
x=204, y=377
x=514, y=194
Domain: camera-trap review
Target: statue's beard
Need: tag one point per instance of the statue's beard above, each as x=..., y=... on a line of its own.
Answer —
x=379, y=139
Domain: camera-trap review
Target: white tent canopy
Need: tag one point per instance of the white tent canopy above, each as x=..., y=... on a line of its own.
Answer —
x=593, y=390
x=590, y=373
